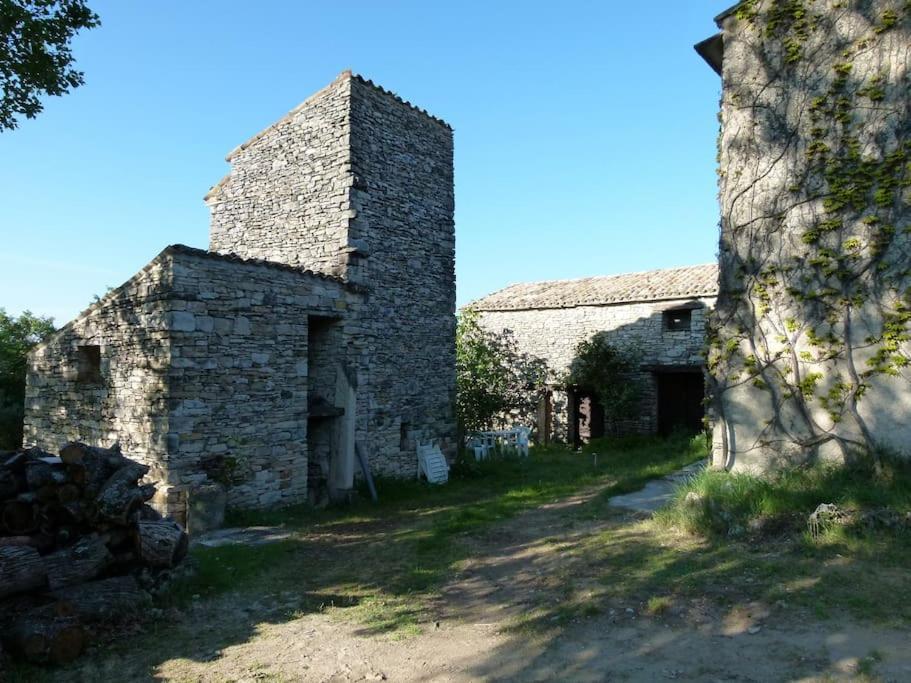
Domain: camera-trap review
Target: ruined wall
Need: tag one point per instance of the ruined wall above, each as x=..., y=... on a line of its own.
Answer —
x=810, y=348
x=284, y=197
x=403, y=200
x=238, y=377
x=127, y=401
x=554, y=335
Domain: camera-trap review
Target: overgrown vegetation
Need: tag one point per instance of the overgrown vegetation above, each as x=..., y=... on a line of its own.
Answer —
x=818, y=306
x=611, y=372
x=719, y=504
x=17, y=336
x=493, y=377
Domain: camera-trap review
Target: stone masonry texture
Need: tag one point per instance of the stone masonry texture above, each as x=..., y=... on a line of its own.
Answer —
x=330, y=275
x=810, y=347
x=550, y=319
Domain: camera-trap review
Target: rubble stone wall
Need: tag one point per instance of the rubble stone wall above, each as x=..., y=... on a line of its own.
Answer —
x=286, y=195
x=238, y=375
x=554, y=334
x=127, y=402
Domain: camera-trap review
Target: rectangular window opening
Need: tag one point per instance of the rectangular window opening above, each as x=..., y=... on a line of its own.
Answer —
x=677, y=321
x=88, y=360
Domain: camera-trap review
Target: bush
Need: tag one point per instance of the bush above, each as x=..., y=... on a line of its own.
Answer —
x=493, y=377
x=611, y=372
x=17, y=337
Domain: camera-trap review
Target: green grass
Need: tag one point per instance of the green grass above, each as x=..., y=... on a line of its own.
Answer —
x=730, y=504
x=412, y=538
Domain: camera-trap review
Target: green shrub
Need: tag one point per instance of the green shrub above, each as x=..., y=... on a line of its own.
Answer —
x=17, y=337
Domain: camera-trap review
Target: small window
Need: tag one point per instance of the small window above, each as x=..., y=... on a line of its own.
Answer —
x=677, y=321
x=88, y=359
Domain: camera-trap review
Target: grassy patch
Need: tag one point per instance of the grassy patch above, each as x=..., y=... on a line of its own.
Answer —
x=720, y=504
x=403, y=547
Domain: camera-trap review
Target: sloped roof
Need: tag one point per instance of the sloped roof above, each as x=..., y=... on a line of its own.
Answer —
x=655, y=285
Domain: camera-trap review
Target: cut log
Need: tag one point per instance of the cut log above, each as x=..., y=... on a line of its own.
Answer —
x=9, y=484
x=21, y=569
x=16, y=462
x=42, y=472
x=105, y=600
x=121, y=495
x=81, y=562
x=76, y=452
x=19, y=516
x=148, y=513
x=98, y=463
x=39, y=638
x=161, y=544
x=68, y=493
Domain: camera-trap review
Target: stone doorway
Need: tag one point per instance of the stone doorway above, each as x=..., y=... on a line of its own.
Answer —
x=331, y=404
x=680, y=397
x=586, y=417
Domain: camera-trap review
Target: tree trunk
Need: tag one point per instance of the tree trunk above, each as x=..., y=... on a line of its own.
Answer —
x=105, y=600
x=21, y=569
x=161, y=544
x=78, y=563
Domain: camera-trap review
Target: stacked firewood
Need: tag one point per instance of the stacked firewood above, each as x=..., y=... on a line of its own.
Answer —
x=75, y=532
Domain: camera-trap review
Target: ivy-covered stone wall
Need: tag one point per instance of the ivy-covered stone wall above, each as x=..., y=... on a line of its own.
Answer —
x=809, y=352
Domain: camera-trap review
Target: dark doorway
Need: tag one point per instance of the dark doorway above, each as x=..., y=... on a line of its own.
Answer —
x=586, y=417
x=680, y=406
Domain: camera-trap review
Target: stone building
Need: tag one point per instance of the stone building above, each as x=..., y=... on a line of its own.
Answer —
x=660, y=314
x=810, y=355
x=321, y=319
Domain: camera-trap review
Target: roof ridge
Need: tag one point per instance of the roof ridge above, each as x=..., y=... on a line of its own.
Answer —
x=659, y=284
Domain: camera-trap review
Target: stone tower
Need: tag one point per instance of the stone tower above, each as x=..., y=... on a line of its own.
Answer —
x=810, y=352
x=357, y=183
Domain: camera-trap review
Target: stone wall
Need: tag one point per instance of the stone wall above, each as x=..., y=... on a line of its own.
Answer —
x=403, y=204
x=286, y=196
x=359, y=183
x=126, y=401
x=554, y=334
x=811, y=353
x=238, y=377
x=204, y=375
x=207, y=371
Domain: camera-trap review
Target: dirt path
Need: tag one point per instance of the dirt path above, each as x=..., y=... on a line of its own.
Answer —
x=503, y=616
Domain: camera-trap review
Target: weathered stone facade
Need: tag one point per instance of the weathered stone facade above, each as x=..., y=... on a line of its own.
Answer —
x=550, y=319
x=322, y=318
x=810, y=354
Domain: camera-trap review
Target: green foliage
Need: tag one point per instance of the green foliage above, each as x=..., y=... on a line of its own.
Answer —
x=493, y=377
x=609, y=371
x=35, y=57
x=729, y=504
x=17, y=336
x=852, y=258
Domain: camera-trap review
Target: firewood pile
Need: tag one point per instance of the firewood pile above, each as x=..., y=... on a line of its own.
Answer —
x=75, y=533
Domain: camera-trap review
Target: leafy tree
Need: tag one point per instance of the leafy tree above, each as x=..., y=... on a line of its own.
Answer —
x=611, y=373
x=35, y=55
x=17, y=337
x=493, y=377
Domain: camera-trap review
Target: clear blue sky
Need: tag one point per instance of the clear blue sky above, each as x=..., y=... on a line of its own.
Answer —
x=584, y=132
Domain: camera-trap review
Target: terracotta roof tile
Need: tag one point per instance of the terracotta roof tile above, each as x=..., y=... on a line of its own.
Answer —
x=654, y=285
